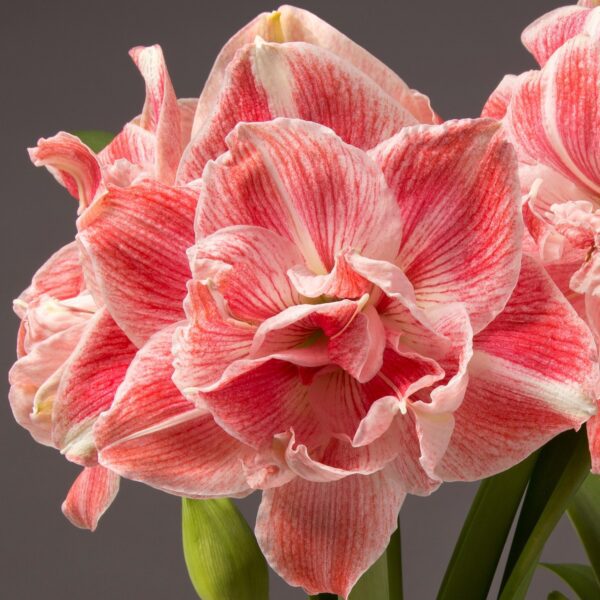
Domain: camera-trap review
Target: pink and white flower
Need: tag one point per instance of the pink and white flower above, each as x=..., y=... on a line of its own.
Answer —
x=128, y=191
x=352, y=321
x=551, y=116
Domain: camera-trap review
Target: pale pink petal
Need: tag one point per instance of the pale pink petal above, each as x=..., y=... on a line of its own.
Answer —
x=532, y=375
x=294, y=80
x=291, y=24
x=92, y=375
x=550, y=31
x=130, y=154
x=323, y=536
x=161, y=111
x=497, y=104
x=90, y=495
x=31, y=396
x=301, y=181
x=72, y=163
x=456, y=186
x=593, y=432
x=135, y=240
x=60, y=277
x=547, y=126
x=154, y=435
x=248, y=267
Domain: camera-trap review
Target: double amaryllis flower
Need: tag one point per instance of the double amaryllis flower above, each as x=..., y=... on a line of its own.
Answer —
x=358, y=322
x=551, y=116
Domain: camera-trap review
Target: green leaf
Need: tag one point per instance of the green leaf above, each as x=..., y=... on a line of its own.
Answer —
x=222, y=556
x=561, y=468
x=95, y=138
x=584, y=512
x=580, y=578
x=484, y=533
x=556, y=595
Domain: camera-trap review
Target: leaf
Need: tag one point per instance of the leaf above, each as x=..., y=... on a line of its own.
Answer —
x=484, y=533
x=222, y=556
x=584, y=512
x=556, y=595
x=580, y=578
x=94, y=138
x=561, y=468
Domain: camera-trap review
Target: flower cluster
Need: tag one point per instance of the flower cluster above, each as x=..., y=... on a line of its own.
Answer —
x=304, y=282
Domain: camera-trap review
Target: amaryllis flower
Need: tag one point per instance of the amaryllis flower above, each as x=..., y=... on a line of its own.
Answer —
x=552, y=118
x=137, y=221
x=348, y=339
x=72, y=355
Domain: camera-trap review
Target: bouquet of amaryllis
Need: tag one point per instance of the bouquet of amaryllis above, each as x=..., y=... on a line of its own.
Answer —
x=308, y=285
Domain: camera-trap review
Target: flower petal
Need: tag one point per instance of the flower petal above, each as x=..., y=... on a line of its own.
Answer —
x=90, y=495
x=548, y=126
x=323, y=536
x=532, y=376
x=291, y=24
x=154, y=435
x=593, y=431
x=301, y=181
x=497, y=103
x=135, y=240
x=32, y=374
x=72, y=163
x=248, y=267
x=550, y=31
x=161, y=111
x=268, y=80
x=456, y=186
x=60, y=277
x=92, y=375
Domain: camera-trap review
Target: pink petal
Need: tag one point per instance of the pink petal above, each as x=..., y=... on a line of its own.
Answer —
x=550, y=31
x=269, y=399
x=593, y=431
x=60, y=276
x=135, y=240
x=548, y=126
x=291, y=24
x=208, y=343
x=267, y=80
x=323, y=536
x=34, y=379
x=161, y=111
x=497, y=103
x=154, y=435
x=90, y=495
x=248, y=266
x=461, y=213
x=301, y=181
x=532, y=376
x=72, y=163
x=130, y=154
x=92, y=375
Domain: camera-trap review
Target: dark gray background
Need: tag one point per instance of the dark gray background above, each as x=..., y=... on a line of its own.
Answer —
x=64, y=65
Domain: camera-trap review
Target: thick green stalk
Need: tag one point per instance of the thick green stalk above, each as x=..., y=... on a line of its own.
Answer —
x=562, y=467
x=484, y=533
x=394, y=566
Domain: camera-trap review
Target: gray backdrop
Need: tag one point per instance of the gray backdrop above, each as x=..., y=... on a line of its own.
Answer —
x=64, y=65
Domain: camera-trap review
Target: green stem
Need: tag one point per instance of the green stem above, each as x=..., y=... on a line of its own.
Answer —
x=323, y=597
x=394, y=565
x=562, y=467
x=477, y=552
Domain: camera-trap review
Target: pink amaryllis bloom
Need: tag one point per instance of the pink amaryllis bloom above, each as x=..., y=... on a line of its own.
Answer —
x=137, y=216
x=359, y=326
x=71, y=354
x=552, y=117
